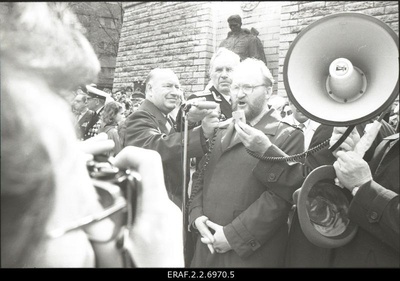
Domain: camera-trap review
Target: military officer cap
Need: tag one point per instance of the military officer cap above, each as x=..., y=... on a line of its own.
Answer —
x=138, y=95
x=96, y=93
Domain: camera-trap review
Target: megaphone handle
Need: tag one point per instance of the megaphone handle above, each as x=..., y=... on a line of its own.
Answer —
x=337, y=144
x=342, y=138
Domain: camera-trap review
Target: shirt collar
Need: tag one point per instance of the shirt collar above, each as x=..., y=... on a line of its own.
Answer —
x=218, y=95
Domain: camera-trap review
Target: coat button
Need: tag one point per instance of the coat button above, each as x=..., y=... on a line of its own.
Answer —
x=374, y=215
x=271, y=177
x=253, y=243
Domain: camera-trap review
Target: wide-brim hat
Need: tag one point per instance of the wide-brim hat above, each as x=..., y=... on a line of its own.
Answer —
x=323, y=208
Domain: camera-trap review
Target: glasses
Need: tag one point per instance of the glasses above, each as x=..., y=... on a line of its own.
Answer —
x=247, y=89
x=286, y=113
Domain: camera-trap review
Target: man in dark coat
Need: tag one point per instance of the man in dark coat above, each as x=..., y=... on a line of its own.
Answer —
x=96, y=102
x=240, y=222
x=376, y=243
x=84, y=115
x=242, y=42
x=152, y=127
x=374, y=208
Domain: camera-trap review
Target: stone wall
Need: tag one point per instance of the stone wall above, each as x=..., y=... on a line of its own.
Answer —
x=175, y=35
x=184, y=35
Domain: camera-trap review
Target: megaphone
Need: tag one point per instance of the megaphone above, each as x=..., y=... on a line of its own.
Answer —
x=341, y=70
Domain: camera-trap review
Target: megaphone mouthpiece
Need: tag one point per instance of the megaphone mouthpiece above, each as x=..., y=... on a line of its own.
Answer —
x=345, y=82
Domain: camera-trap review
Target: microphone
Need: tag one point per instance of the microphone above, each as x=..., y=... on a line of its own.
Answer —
x=201, y=105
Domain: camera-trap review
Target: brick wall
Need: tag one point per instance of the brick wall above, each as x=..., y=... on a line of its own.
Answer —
x=176, y=35
x=296, y=15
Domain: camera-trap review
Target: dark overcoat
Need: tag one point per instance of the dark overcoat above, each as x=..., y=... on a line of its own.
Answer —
x=82, y=126
x=254, y=218
x=375, y=209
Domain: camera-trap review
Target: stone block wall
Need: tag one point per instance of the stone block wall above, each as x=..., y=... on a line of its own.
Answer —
x=176, y=35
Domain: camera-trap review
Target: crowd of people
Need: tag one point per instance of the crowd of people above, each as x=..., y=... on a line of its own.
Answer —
x=240, y=208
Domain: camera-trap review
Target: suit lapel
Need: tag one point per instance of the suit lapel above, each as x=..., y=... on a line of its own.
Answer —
x=161, y=119
x=225, y=106
x=226, y=139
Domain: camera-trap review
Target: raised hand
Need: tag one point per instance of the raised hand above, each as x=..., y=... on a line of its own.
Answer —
x=253, y=139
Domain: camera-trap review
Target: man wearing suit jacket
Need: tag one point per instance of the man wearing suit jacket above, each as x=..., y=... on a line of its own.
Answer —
x=151, y=127
x=84, y=115
x=298, y=119
x=96, y=102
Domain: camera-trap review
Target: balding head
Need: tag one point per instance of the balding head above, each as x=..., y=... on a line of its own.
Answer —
x=163, y=89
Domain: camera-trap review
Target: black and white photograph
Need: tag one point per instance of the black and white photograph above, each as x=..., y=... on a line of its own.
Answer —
x=208, y=140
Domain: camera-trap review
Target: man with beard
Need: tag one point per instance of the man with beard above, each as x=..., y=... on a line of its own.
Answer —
x=240, y=222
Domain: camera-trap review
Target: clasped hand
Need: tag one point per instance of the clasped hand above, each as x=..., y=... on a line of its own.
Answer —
x=216, y=242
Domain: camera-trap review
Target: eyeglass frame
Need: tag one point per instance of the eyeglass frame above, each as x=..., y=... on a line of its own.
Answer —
x=246, y=91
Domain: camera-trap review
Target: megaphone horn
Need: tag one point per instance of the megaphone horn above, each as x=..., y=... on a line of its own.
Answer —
x=343, y=69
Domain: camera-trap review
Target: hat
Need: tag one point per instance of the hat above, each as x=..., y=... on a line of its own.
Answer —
x=96, y=93
x=235, y=19
x=138, y=95
x=323, y=210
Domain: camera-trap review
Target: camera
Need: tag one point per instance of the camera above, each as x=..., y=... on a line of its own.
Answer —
x=118, y=189
x=118, y=192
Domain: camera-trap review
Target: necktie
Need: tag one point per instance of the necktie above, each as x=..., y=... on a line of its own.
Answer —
x=301, y=126
x=170, y=123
